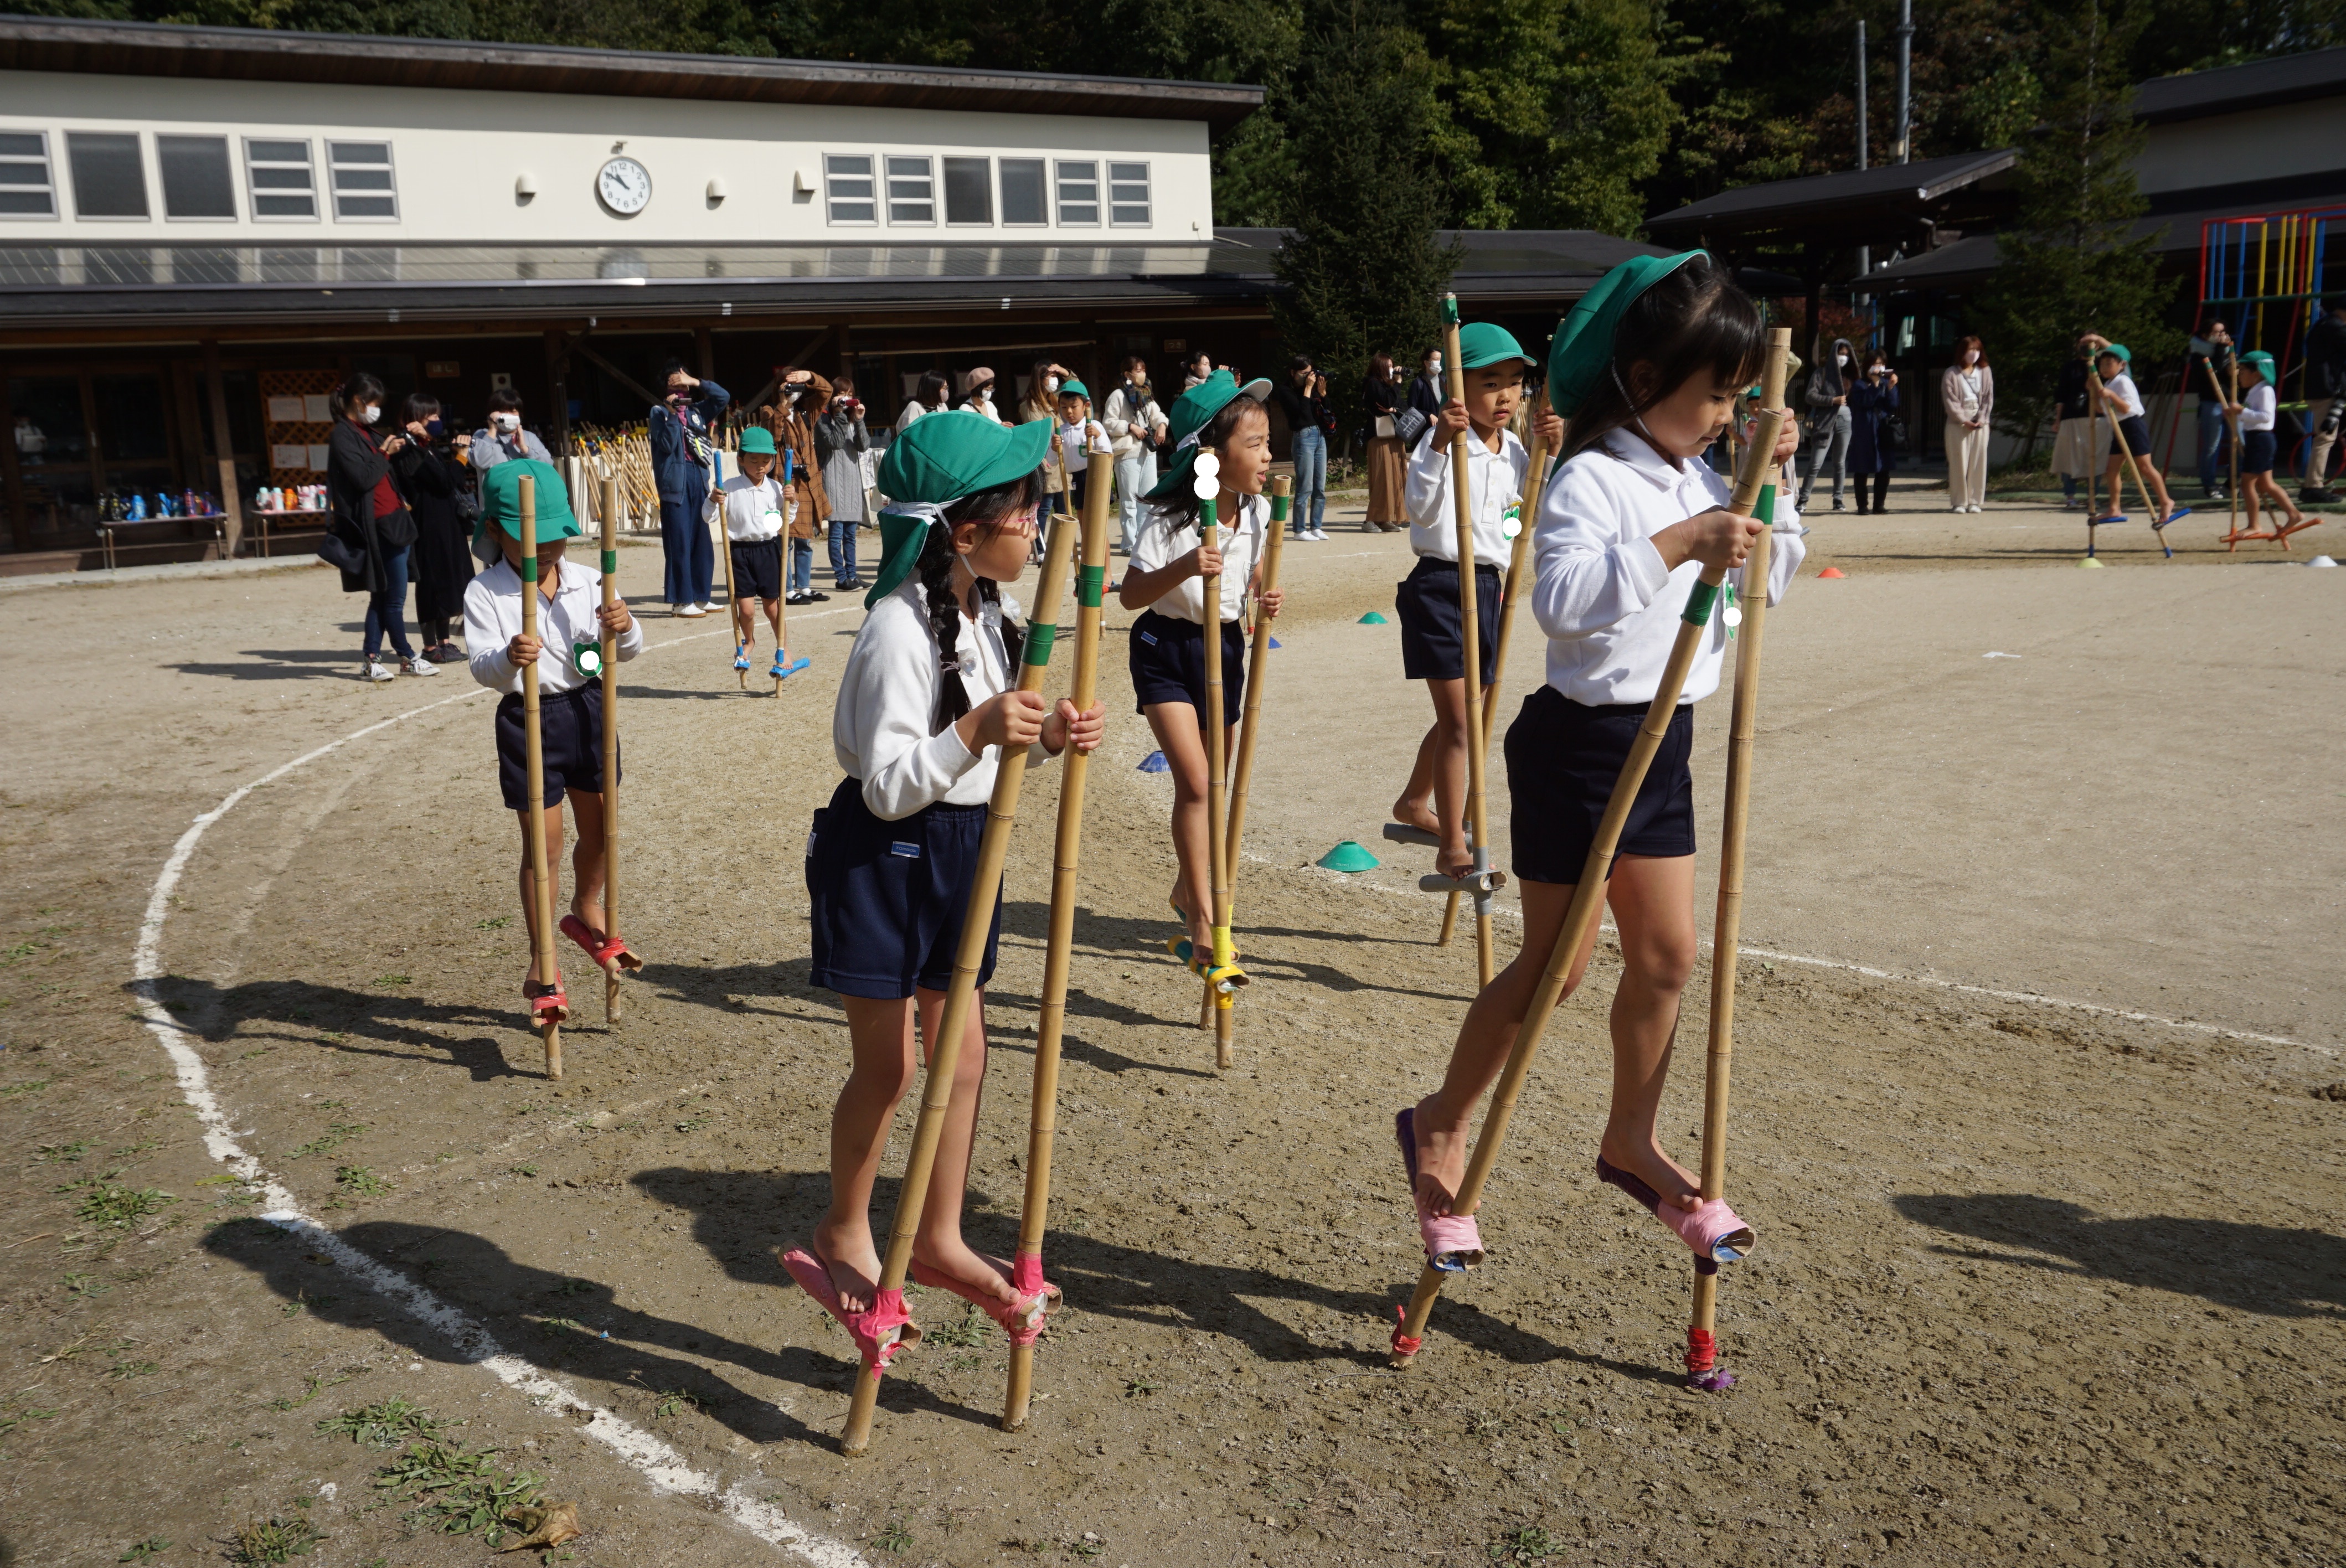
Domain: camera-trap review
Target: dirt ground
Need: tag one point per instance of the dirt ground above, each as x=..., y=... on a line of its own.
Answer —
x=2038, y=1113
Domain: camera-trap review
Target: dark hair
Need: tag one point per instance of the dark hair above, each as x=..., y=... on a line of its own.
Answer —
x=1381, y=364
x=1299, y=364
x=358, y=388
x=1692, y=321
x=418, y=408
x=842, y=384
x=934, y=389
x=989, y=509
x=1969, y=342
x=1134, y=362
x=504, y=400
x=669, y=367
x=1219, y=432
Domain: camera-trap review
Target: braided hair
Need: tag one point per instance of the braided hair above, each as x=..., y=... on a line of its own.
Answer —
x=990, y=509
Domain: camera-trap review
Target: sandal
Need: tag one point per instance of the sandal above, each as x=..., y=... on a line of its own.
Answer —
x=601, y=949
x=1021, y=1320
x=879, y=1332
x=1453, y=1244
x=1714, y=1231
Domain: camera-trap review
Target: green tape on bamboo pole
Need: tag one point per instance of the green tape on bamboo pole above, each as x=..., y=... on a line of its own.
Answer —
x=1279, y=504
x=1766, y=511
x=1091, y=582
x=529, y=568
x=1700, y=603
x=1039, y=639
x=610, y=563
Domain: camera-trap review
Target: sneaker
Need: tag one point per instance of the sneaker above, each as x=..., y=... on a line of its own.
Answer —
x=419, y=665
x=1837, y=506
x=446, y=653
x=2320, y=496
x=690, y=612
x=375, y=669
x=1319, y=536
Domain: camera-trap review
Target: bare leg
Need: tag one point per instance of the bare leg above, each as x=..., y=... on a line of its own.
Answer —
x=1441, y=771
x=774, y=619
x=1414, y=809
x=880, y=1033
x=553, y=867
x=938, y=1243
x=586, y=863
x=1175, y=725
x=744, y=612
x=1652, y=904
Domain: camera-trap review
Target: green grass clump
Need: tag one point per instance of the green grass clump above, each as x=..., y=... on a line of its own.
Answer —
x=386, y=1423
x=459, y=1489
x=279, y=1540
x=117, y=1207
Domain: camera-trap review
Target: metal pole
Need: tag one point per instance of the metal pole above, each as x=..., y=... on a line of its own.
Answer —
x=1905, y=75
x=1864, y=252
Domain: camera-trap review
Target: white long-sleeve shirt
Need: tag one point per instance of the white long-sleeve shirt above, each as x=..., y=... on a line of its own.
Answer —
x=1495, y=489
x=1129, y=418
x=1609, y=607
x=492, y=619
x=753, y=513
x=879, y=726
x=2258, y=407
x=1165, y=537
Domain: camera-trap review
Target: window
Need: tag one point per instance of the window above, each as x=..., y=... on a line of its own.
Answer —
x=912, y=190
x=1024, y=200
x=969, y=191
x=1128, y=195
x=196, y=179
x=26, y=188
x=1080, y=195
x=283, y=186
x=847, y=181
x=360, y=173
x=110, y=178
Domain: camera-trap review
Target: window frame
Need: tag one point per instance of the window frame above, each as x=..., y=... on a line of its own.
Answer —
x=146, y=195
x=1001, y=200
x=163, y=183
x=944, y=200
x=390, y=165
x=254, y=191
x=870, y=177
x=1060, y=166
x=49, y=171
x=1148, y=202
x=928, y=162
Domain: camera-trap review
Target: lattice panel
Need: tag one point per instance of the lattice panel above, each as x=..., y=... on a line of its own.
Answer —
x=314, y=390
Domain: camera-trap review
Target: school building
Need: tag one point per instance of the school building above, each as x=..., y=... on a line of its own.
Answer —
x=203, y=230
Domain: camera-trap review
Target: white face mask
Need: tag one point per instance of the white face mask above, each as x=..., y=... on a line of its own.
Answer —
x=1971, y=356
x=508, y=422
x=368, y=416
x=1841, y=360
x=1050, y=384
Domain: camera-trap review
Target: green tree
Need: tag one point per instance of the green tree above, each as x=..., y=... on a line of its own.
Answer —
x=2070, y=263
x=1364, y=269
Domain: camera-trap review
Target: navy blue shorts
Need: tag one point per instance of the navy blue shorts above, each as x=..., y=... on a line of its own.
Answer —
x=2257, y=451
x=1432, y=644
x=1168, y=660
x=1563, y=757
x=2137, y=434
x=757, y=568
x=889, y=897
x=569, y=728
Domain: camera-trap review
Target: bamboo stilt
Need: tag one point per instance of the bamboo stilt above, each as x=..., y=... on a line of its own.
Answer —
x=534, y=748
x=1217, y=779
x=608, y=495
x=2232, y=425
x=732, y=599
x=1589, y=893
x=1241, y=777
x=1470, y=614
x=2129, y=465
x=1051, y=1024
x=1727, y=930
x=944, y=1053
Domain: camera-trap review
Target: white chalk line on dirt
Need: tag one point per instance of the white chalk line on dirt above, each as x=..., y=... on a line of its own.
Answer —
x=658, y=1463
x=2033, y=998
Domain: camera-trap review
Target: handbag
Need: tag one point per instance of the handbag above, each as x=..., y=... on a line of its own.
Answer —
x=339, y=552
x=1411, y=423
x=1385, y=431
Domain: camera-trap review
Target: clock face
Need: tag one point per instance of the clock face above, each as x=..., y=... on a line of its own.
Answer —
x=625, y=186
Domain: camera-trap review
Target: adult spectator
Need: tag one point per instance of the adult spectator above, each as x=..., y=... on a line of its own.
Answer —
x=1967, y=392
x=800, y=397
x=2073, y=446
x=1042, y=401
x=1304, y=399
x=934, y=395
x=1382, y=395
x=1196, y=369
x=2207, y=375
x=431, y=472
x=371, y=521
x=979, y=397
x=502, y=436
x=681, y=423
x=2325, y=373
x=1136, y=429
x=1830, y=421
x=1872, y=408
x=1428, y=392
x=841, y=439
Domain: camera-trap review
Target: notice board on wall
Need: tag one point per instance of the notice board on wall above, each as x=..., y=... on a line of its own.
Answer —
x=297, y=408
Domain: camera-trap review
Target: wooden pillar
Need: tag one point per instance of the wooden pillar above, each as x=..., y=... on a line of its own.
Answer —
x=704, y=341
x=558, y=377
x=224, y=448
x=847, y=353
x=11, y=477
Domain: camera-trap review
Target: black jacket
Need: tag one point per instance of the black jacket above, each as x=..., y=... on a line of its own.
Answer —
x=1381, y=395
x=1302, y=412
x=2325, y=358
x=354, y=464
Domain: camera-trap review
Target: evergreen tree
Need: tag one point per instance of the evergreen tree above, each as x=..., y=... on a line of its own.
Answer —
x=2068, y=263
x=1364, y=269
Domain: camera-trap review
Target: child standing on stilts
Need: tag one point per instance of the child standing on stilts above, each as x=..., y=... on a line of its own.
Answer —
x=2258, y=412
x=926, y=713
x=568, y=653
x=757, y=507
x=1647, y=374
x=1432, y=643
x=1170, y=557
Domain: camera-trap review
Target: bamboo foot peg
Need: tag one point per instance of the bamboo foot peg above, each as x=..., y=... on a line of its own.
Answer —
x=1482, y=883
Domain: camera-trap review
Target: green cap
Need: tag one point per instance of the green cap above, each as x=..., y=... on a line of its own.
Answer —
x=1582, y=354
x=1192, y=413
x=1071, y=387
x=1483, y=343
x=937, y=461
x=757, y=442
x=2262, y=361
x=501, y=500
x=2120, y=351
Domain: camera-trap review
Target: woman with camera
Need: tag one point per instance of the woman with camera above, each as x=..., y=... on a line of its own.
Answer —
x=1875, y=433
x=430, y=471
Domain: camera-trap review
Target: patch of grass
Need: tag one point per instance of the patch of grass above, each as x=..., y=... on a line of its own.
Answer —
x=132, y=1151
x=116, y=1207
x=27, y=1087
x=17, y=1417
x=335, y=1135
x=249, y=1055
x=1529, y=1544
x=1134, y=1388
x=153, y=1546
x=894, y=1538
x=310, y=1391
x=62, y=1153
x=573, y=1288
x=303, y=1301
x=121, y=1369
x=393, y=979
x=279, y=1540
x=522, y=1170
x=459, y=1489
x=359, y=1181
x=675, y=1402
x=386, y=1423
x=496, y=923
x=333, y=1104
x=969, y=1329
x=562, y=1328
x=84, y=1284
x=692, y=1124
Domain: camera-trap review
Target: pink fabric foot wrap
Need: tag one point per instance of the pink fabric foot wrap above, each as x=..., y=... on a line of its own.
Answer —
x=1021, y=1320
x=879, y=1333
x=1712, y=1230
x=1453, y=1243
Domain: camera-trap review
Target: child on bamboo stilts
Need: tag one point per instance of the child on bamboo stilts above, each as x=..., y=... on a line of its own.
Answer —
x=569, y=656
x=2129, y=432
x=2259, y=410
x=926, y=712
x=1645, y=373
x=1171, y=558
x=1432, y=638
x=757, y=507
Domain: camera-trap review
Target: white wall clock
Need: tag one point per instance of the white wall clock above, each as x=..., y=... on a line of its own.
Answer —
x=625, y=186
